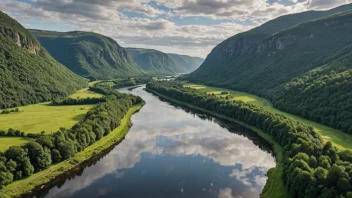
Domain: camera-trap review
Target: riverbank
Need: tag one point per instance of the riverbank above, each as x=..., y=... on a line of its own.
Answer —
x=274, y=186
x=43, y=178
x=339, y=139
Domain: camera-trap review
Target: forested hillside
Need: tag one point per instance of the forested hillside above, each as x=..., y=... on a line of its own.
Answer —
x=28, y=73
x=89, y=54
x=323, y=94
x=154, y=62
x=225, y=56
x=187, y=63
x=303, y=69
x=159, y=63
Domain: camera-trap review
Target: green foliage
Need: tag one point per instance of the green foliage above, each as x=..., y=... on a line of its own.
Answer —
x=158, y=63
x=87, y=54
x=303, y=69
x=323, y=94
x=187, y=64
x=78, y=101
x=28, y=74
x=311, y=168
x=22, y=161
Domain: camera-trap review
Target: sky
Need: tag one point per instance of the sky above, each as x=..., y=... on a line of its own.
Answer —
x=190, y=27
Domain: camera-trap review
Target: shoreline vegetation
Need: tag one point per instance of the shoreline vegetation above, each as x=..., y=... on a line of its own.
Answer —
x=338, y=138
x=48, y=157
x=41, y=179
x=274, y=186
x=306, y=165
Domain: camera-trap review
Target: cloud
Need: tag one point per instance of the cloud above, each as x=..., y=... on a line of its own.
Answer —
x=326, y=4
x=155, y=25
x=225, y=193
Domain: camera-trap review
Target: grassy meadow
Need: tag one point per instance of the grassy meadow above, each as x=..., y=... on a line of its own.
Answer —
x=17, y=188
x=43, y=117
x=6, y=142
x=339, y=139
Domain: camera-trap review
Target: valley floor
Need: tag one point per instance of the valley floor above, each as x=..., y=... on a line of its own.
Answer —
x=39, y=179
x=36, y=118
x=338, y=138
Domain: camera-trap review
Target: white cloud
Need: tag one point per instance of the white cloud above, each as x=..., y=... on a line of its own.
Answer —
x=155, y=30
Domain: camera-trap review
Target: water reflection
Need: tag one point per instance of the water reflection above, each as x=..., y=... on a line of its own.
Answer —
x=170, y=152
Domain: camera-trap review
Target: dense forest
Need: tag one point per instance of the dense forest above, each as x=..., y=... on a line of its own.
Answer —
x=88, y=54
x=21, y=161
x=304, y=69
x=323, y=94
x=311, y=168
x=28, y=74
x=158, y=63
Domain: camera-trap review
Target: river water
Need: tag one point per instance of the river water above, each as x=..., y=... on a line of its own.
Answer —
x=174, y=152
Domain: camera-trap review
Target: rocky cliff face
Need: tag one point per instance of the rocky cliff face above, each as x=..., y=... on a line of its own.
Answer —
x=22, y=40
x=26, y=43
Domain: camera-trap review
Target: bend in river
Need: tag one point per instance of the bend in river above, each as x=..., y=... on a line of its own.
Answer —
x=174, y=152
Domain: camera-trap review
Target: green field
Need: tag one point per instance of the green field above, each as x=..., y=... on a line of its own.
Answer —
x=15, y=189
x=85, y=93
x=339, y=139
x=6, y=142
x=43, y=117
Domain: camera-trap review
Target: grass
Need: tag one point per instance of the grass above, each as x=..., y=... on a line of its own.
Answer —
x=274, y=186
x=85, y=93
x=17, y=188
x=339, y=139
x=6, y=142
x=43, y=117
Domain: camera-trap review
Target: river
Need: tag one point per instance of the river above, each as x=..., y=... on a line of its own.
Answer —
x=173, y=152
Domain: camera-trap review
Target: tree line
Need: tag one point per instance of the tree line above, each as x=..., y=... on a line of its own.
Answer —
x=76, y=101
x=21, y=161
x=310, y=167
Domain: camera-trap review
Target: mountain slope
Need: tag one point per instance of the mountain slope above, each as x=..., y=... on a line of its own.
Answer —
x=304, y=70
x=28, y=73
x=187, y=63
x=154, y=62
x=242, y=45
x=88, y=54
x=323, y=94
x=160, y=63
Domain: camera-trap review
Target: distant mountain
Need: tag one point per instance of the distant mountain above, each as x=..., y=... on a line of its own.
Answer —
x=89, y=54
x=28, y=73
x=304, y=69
x=187, y=64
x=156, y=62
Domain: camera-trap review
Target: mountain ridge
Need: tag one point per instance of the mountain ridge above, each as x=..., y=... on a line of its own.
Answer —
x=28, y=73
x=89, y=54
x=160, y=63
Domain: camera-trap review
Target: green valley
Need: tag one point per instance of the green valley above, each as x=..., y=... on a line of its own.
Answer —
x=267, y=113
x=157, y=63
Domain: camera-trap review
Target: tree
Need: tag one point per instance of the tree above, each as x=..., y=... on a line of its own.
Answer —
x=56, y=156
x=11, y=166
